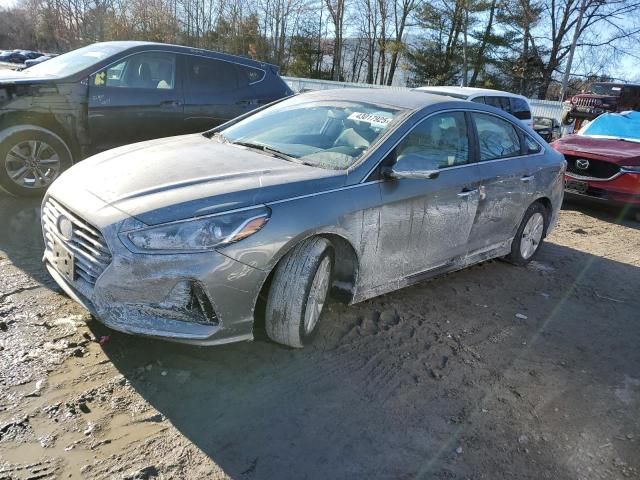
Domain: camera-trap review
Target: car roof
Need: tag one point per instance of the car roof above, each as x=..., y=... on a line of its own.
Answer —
x=131, y=44
x=617, y=84
x=468, y=91
x=405, y=99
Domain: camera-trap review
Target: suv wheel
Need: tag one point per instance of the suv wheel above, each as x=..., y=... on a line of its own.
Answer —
x=299, y=292
x=31, y=158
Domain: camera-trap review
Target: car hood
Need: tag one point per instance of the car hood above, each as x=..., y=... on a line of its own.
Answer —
x=13, y=77
x=620, y=152
x=181, y=177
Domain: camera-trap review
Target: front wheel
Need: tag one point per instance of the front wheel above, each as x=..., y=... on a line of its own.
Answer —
x=31, y=158
x=298, y=292
x=529, y=235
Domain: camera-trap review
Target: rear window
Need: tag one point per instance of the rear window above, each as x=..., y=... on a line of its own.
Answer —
x=499, y=102
x=208, y=75
x=248, y=75
x=520, y=108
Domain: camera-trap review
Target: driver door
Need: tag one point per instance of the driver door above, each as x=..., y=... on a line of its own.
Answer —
x=138, y=98
x=425, y=223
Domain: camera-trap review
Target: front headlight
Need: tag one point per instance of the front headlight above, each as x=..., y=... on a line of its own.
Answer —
x=197, y=234
x=632, y=168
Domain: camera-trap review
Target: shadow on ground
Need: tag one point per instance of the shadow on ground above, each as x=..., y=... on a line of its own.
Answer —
x=21, y=236
x=440, y=380
x=608, y=213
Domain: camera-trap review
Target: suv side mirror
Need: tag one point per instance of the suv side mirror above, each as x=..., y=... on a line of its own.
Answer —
x=412, y=166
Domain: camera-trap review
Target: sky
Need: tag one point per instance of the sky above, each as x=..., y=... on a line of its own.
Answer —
x=628, y=68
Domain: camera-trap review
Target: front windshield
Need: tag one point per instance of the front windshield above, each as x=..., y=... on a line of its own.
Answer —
x=331, y=134
x=606, y=89
x=76, y=60
x=624, y=126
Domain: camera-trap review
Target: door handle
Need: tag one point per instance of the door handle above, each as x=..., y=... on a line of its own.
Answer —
x=169, y=103
x=527, y=178
x=466, y=192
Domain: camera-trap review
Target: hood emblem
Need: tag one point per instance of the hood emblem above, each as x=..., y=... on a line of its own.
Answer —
x=582, y=163
x=65, y=227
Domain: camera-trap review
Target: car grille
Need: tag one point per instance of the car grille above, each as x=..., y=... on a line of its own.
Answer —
x=597, y=169
x=587, y=102
x=90, y=252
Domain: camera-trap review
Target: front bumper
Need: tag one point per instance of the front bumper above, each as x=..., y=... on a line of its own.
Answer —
x=623, y=189
x=153, y=295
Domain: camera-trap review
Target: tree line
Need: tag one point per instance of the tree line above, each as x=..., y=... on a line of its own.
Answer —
x=518, y=45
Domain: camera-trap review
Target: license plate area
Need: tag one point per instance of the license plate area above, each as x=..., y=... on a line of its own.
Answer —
x=63, y=260
x=576, y=186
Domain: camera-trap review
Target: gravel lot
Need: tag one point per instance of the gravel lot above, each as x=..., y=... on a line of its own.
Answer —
x=490, y=373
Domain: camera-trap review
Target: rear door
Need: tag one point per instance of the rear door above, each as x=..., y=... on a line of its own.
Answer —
x=217, y=91
x=425, y=223
x=137, y=98
x=508, y=172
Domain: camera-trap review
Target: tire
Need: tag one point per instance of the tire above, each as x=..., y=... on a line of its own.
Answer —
x=303, y=274
x=567, y=119
x=31, y=158
x=530, y=235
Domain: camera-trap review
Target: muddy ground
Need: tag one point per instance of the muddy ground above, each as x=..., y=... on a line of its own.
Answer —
x=490, y=373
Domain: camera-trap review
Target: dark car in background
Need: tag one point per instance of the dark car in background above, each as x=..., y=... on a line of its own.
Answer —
x=603, y=160
x=115, y=93
x=34, y=61
x=601, y=97
x=548, y=128
x=12, y=57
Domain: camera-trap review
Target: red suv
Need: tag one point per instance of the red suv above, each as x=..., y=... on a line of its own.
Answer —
x=601, y=97
x=603, y=159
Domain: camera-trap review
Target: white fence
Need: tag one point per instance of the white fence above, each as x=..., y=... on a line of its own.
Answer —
x=539, y=108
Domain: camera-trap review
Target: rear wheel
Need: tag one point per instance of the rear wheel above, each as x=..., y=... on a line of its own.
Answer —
x=298, y=292
x=31, y=158
x=530, y=234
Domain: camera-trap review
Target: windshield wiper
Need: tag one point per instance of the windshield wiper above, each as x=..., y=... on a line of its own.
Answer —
x=271, y=151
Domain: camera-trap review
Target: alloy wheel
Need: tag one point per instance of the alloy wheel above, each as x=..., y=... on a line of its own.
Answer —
x=531, y=235
x=317, y=295
x=32, y=164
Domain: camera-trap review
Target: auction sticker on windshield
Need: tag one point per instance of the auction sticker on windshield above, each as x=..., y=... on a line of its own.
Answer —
x=373, y=119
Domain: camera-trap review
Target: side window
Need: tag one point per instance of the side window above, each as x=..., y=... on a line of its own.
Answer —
x=499, y=102
x=520, y=108
x=531, y=146
x=497, y=137
x=145, y=70
x=208, y=75
x=248, y=75
x=440, y=141
x=478, y=100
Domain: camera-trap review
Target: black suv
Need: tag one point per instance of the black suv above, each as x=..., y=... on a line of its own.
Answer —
x=114, y=93
x=601, y=97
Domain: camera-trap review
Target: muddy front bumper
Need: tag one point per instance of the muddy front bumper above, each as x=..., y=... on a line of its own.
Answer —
x=204, y=298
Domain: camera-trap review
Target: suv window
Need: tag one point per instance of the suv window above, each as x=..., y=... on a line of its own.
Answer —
x=520, y=108
x=205, y=74
x=441, y=140
x=145, y=70
x=497, y=137
x=248, y=75
x=499, y=102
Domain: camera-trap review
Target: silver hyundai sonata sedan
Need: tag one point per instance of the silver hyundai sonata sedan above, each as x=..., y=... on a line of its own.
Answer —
x=350, y=193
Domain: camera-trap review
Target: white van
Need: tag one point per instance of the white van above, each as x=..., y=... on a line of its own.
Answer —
x=516, y=105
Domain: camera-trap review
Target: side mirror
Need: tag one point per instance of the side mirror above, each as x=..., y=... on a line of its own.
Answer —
x=412, y=166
